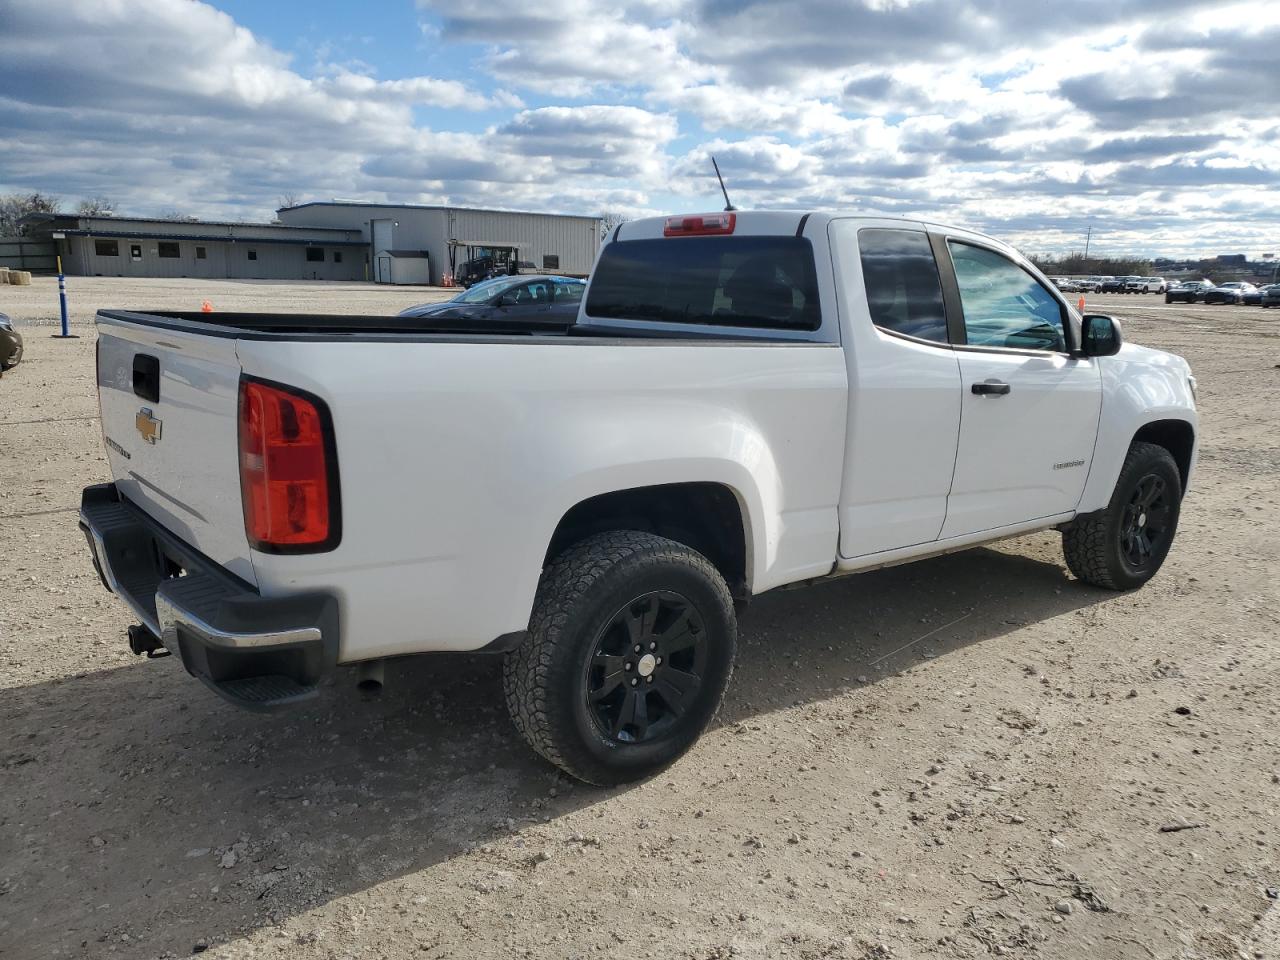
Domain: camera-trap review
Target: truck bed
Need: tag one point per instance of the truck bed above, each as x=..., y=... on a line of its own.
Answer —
x=365, y=327
x=311, y=326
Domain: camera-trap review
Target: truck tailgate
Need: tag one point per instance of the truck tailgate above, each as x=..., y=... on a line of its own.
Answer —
x=169, y=413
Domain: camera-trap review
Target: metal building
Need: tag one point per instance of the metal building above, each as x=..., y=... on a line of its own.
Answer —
x=153, y=247
x=452, y=235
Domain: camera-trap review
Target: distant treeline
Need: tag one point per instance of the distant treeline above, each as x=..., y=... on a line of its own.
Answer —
x=1080, y=266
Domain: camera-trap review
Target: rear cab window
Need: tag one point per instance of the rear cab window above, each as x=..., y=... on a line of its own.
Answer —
x=749, y=282
x=904, y=292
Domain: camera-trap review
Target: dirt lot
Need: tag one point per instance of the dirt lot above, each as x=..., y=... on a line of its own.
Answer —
x=972, y=755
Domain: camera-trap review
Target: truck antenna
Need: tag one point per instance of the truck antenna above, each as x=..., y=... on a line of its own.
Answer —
x=727, y=204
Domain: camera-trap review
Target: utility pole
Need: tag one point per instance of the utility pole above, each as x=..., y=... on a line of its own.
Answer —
x=1088, y=235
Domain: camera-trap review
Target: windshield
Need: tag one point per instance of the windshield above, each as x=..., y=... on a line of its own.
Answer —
x=487, y=289
x=764, y=281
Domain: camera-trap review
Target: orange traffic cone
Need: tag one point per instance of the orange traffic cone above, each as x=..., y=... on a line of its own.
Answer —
x=1079, y=305
x=207, y=307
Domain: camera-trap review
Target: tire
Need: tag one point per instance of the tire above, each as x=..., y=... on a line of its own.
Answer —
x=1121, y=547
x=1168, y=299
x=577, y=689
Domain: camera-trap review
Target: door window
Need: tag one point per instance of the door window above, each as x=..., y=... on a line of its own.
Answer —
x=901, y=276
x=1004, y=306
x=569, y=292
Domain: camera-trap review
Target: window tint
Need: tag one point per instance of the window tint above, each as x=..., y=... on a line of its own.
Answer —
x=201, y=253
x=1004, y=306
x=529, y=295
x=903, y=290
x=551, y=261
x=253, y=254
x=315, y=254
x=569, y=292
x=106, y=248
x=135, y=251
x=167, y=250
x=724, y=281
x=337, y=256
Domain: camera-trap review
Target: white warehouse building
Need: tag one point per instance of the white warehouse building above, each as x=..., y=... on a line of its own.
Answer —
x=412, y=243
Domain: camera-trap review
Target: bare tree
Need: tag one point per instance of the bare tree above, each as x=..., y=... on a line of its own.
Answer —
x=609, y=220
x=287, y=200
x=174, y=214
x=96, y=207
x=15, y=206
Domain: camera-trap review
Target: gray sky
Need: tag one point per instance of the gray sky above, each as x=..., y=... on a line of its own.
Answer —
x=1153, y=120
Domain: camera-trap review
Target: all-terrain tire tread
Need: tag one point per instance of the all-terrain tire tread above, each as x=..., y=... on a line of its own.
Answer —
x=1086, y=544
x=527, y=674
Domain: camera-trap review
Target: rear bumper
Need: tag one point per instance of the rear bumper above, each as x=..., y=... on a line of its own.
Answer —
x=258, y=652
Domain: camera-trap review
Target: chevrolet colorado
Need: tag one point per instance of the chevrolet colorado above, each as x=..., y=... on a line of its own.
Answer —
x=745, y=400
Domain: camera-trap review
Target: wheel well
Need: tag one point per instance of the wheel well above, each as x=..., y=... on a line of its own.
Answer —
x=704, y=516
x=1176, y=436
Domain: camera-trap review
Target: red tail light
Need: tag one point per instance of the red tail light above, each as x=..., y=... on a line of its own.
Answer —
x=288, y=470
x=704, y=225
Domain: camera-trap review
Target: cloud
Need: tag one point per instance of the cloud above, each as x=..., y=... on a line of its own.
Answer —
x=1145, y=118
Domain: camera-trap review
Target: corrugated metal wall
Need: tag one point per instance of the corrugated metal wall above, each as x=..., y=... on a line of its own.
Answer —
x=21, y=253
x=574, y=240
x=274, y=261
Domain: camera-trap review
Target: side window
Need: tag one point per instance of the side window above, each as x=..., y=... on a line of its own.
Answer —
x=569, y=292
x=1004, y=306
x=903, y=290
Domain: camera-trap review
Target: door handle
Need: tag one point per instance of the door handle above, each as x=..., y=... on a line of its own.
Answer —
x=992, y=388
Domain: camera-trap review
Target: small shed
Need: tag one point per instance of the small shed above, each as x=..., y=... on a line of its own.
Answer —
x=405, y=266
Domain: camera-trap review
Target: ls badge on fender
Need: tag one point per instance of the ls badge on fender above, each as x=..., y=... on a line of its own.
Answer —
x=148, y=425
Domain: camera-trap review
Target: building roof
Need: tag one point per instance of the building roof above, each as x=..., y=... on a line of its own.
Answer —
x=216, y=237
x=433, y=206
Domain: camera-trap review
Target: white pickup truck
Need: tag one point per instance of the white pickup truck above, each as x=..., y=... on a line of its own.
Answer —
x=745, y=400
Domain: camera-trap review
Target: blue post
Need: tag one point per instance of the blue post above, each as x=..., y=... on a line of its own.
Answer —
x=62, y=302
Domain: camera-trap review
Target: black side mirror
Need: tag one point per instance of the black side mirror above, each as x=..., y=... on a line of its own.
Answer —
x=1100, y=335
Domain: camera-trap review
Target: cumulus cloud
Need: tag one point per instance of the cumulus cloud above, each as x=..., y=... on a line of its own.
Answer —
x=1144, y=118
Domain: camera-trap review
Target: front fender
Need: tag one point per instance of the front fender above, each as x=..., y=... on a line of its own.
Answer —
x=1139, y=387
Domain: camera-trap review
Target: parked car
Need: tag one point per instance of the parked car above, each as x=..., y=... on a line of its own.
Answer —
x=594, y=501
x=1144, y=285
x=1069, y=286
x=1187, y=291
x=1233, y=292
x=509, y=298
x=1271, y=295
x=10, y=344
x=1093, y=284
x=1112, y=285
x=1253, y=296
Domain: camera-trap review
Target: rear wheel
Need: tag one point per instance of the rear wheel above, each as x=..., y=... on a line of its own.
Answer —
x=1123, y=546
x=629, y=652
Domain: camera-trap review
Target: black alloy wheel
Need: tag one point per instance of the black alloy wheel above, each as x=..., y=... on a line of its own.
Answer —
x=629, y=651
x=646, y=668
x=1145, y=523
x=1124, y=545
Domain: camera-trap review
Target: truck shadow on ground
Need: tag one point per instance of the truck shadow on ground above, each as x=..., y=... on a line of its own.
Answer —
x=138, y=810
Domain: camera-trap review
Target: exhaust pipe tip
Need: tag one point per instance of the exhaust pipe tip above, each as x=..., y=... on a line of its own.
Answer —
x=142, y=642
x=370, y=676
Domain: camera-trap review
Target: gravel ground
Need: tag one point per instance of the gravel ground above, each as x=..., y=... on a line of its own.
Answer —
x=969, y=756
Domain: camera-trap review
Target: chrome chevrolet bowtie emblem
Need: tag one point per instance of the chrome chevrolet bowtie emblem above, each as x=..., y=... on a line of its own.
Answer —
x=148, y=425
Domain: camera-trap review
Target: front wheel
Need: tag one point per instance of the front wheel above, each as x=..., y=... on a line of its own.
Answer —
x=629, y=652
x=1124, y=545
